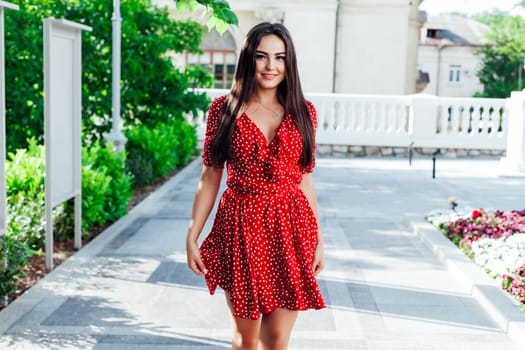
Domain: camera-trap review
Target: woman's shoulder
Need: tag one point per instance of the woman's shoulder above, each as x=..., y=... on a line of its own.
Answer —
x=312, y=110
x=217, y=103
x=214, y=111
x=310, y=105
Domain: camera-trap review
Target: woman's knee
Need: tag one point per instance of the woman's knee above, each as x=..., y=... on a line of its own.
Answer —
x=245, y=341
x=275, y=339
x=276, y=328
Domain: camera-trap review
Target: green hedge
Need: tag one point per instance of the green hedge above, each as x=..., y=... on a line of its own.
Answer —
x=17, y=255
x=26, y=196
x=106, y=192
x=154, y=152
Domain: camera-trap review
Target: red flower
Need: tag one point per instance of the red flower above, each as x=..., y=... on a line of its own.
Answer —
x=476, y=214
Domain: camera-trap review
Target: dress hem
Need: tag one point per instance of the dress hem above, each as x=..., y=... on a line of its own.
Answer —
x=320, y=306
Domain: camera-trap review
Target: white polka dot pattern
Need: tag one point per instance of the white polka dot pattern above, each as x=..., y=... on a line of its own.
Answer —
x=262, y=243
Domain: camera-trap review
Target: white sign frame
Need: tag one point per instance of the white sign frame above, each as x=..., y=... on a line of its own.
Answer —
x=3, y=191
x=3, y=195
x=63, y=122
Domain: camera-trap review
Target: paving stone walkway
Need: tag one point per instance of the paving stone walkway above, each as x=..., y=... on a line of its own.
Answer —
x=130, y=288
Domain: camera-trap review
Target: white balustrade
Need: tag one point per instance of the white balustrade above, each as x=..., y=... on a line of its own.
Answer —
x=468, y=123
x=366, y=120
x=397, y=120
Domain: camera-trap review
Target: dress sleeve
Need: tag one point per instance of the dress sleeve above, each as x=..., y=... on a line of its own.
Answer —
x=212, y=123
x=313, y=115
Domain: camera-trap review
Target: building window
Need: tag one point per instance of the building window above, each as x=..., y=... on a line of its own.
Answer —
x=434, y=33
x=219, y=57
x=454, y=74
x=220, y=63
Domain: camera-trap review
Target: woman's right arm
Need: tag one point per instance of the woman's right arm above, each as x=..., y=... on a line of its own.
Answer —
x=203, y=202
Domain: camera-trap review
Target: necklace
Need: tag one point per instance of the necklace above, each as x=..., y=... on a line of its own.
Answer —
x=275, y=112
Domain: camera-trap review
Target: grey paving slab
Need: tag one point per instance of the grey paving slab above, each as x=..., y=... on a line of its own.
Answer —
x=384, y=287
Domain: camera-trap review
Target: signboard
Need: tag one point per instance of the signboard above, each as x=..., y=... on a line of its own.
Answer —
x=63, y=121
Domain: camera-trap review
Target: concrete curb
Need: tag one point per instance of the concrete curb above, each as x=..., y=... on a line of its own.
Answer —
x=500, y=306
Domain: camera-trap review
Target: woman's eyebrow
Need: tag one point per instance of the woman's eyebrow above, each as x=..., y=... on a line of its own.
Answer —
x=266, y=53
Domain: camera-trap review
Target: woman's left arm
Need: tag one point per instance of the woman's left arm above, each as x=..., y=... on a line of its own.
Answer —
x=307, y=186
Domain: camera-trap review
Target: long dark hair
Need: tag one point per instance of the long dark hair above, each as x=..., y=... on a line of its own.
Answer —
x=289, y=94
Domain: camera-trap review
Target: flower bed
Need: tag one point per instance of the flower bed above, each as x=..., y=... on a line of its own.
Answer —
x=494, y=240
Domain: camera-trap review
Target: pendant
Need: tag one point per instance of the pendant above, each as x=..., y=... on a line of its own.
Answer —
x=275, y=114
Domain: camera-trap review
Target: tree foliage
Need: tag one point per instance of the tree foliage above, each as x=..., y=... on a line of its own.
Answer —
x=221, y=16
x=153, y=89
x=503, y=56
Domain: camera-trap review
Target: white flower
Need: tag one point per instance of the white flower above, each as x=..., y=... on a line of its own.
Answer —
x=438, y=217
x=500, y=256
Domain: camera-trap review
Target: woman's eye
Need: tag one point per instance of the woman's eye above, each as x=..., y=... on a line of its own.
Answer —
x=281, y=57
x=259, y=57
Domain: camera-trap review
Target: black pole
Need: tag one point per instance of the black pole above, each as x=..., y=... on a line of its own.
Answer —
x=436, y=152
x=410, y=153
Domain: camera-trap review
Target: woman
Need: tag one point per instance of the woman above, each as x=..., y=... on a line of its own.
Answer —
x=265, y=247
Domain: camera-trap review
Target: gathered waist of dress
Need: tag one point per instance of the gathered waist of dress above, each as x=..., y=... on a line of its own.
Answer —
x=270, y=190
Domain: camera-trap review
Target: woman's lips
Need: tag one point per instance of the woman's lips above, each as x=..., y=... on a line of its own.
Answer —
x=269, y=76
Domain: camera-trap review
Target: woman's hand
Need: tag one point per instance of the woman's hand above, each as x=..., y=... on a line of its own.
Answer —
x=202, y=205
x=194, y=258
x=318, y=265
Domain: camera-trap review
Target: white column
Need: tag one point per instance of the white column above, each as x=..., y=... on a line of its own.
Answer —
x=116, y=135
x=514, y=162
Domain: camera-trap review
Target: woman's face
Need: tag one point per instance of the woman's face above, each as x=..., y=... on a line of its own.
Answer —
x=270, y=62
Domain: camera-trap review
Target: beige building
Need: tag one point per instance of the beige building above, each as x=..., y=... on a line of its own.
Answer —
x=346, y=46
x=446, y=56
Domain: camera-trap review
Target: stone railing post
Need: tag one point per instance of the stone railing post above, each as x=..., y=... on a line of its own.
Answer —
x=514, y=162
x=423, y=119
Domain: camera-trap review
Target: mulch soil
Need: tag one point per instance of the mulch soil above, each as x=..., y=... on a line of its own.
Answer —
x=36, y=269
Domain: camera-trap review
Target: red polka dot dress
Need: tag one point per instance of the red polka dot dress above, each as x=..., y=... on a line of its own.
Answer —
x=262, y=243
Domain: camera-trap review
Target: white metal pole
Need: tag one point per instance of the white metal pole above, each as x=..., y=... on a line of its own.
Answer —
x=116, y=135
x=49, y=241
x=3, y=195
x=3, y=199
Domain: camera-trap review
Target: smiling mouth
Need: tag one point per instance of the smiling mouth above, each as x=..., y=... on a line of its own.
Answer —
x=269, y=76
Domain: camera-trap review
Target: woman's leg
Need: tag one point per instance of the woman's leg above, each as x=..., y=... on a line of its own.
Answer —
x=245, y=331
x=276, y=328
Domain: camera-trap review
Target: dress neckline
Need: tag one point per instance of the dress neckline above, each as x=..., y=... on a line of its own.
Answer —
x=259, y=131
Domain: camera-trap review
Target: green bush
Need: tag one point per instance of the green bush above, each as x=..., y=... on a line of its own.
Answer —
x=95, y=188
x=187, y=137
x=26, y=219
x=106, y=192
x=141, y=166
x=26, y=196
x=154, y=152
x=17, y=255
x=102, y=157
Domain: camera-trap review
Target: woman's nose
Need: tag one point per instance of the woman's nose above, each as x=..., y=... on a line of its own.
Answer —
x=270, y=63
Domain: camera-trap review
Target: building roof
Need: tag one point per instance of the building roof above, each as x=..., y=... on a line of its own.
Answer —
x=455, y=30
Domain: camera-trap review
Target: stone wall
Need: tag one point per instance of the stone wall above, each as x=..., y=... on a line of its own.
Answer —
x=366, y=151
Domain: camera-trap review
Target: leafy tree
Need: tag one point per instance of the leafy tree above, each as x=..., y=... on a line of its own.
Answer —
x=503, y=56
x=221, y=16
x=153, y=89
